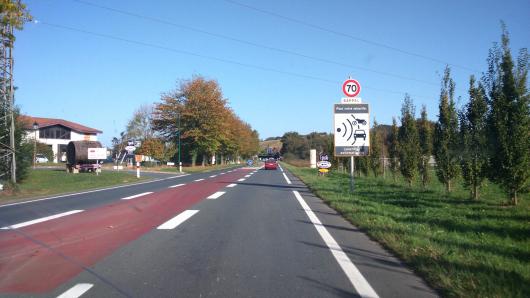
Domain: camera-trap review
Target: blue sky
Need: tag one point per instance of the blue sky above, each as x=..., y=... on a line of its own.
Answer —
x=99, y=81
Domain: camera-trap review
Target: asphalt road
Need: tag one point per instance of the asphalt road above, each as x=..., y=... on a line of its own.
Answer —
x=241, y=233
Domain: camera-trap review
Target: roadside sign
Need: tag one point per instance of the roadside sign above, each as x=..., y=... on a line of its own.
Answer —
x=323, y=164
x=97, y=153
x=351, y=129
x=349, y=100
x=351, y=88
x=130, y=148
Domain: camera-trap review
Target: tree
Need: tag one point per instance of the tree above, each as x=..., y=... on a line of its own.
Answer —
x=393, y=149
x=139, y=127
x=473, y=136
x=294, y=145
x=375, y=150
x=152, y=147
x=12, y=13
x=408, y=141
x=425, y=135
x=509, y=119
x=446, y=149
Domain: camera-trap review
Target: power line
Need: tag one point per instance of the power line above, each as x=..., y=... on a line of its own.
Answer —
x=246, y=42
x=342, y=34
x=223, y=60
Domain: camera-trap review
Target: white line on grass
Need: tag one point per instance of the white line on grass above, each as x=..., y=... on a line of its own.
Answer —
x=216, y=195
x=354, y=275
x=231, y=185
x=286, y=179
x=177, y=220
x=76, y=291
x=178, y=185
x=38, y=220
x=138, y=195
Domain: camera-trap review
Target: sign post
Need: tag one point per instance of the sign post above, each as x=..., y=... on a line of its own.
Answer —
x=351, y=126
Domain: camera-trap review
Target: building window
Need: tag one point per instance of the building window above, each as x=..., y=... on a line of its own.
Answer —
x=54, y=132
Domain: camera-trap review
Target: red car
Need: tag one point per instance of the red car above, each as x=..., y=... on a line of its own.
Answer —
x=271, y=164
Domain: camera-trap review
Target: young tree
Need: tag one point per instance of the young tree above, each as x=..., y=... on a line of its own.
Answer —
x=509, y=119
x=375, y=150
x=473, y=136
x=408, y=141
x=393, y=149
x=425, y=135
x=140, y=125
x=446, y=149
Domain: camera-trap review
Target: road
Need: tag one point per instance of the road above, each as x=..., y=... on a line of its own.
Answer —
x=244, y=232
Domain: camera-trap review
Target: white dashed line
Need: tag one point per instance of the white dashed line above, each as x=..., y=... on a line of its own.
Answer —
x=76, y=291
x=287, y=179
x=222, y=173
x=216, y=195
x=138, y=195
x=241, y=180
x=354, y=275
x=177, y=220
x=246, y=176
x=231, y=185
x=213, y=176
x=198, y=180
x=178, y=185
x=39, y=220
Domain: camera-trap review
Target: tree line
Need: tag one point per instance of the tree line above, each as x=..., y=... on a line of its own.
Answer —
x=196, y=111
x=487, y=139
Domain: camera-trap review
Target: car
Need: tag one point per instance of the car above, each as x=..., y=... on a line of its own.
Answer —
x=40, y=158
x=359, y=133
x=271, y=164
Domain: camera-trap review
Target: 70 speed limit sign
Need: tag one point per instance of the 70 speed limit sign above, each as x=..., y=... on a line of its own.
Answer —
x=351, y=88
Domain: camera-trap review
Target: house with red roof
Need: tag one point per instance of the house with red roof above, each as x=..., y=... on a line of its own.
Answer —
x=57, y=133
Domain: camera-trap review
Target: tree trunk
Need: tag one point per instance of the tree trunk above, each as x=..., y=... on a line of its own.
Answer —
x=194, y=159
x=513, y=197
x=448, y=186
x=204, y=160
x=475, y=192
x=222, y=159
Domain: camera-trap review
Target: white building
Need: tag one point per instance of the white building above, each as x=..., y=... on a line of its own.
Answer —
x=57, y=133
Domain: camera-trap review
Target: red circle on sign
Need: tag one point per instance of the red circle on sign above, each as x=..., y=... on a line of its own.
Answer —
x=348, y=91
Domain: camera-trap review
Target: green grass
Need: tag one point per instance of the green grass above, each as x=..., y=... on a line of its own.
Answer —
x=50, y=182
x=462, y=248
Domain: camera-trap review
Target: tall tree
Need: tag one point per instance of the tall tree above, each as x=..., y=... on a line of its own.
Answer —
x=140, y=125
x=408, y=141
x=425, y=135
x=473, y=136
x=509, y=119
x=446, y=149
x=393, y=149
x=376, y=144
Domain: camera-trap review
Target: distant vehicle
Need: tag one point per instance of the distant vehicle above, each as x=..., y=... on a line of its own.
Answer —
x=271, y=164
x=40, y=158
x=360, y=121
x=359, y=133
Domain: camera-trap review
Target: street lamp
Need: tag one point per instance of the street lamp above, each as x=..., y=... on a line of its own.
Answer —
x=35, y=128
x=178, y=132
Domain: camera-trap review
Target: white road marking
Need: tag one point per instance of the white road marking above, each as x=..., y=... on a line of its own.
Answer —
x=246, y=176
x=38, y=220
x=178, y=185
x=92, y=191
x=287, y=179
x=198, y=180
x=216, y=195
x=138, y=195
x=231, y=185
x=354, y=275
x=213, y=176
x=281, y=169
x=241, y=180
x=76, y=291
x=222, y=173
x=177, y=220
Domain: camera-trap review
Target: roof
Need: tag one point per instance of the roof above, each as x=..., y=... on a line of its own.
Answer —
x=46, y=122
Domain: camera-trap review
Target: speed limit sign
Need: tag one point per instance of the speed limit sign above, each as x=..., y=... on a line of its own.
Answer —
x=351, y=88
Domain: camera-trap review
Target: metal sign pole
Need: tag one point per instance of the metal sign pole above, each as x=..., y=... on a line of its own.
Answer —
x=352, y=170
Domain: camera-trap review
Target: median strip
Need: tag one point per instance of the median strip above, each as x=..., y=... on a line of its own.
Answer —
x=39, y=220
x=177, y=220
x=354, y=275
x=216, y=195
x=76, y=291
x=138, y=195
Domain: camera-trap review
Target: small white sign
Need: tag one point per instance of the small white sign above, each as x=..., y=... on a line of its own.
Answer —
x=323, y=164
x=130, y=148
x=347, y=100
x=97, y=153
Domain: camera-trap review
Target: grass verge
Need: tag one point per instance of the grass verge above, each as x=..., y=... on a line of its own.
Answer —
x=46, y=182
x=462, y=248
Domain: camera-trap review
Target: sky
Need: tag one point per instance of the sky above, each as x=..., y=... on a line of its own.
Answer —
x=280, y=64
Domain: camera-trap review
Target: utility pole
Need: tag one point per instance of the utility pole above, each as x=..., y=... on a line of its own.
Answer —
x=178, y=123
x=7, y=121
